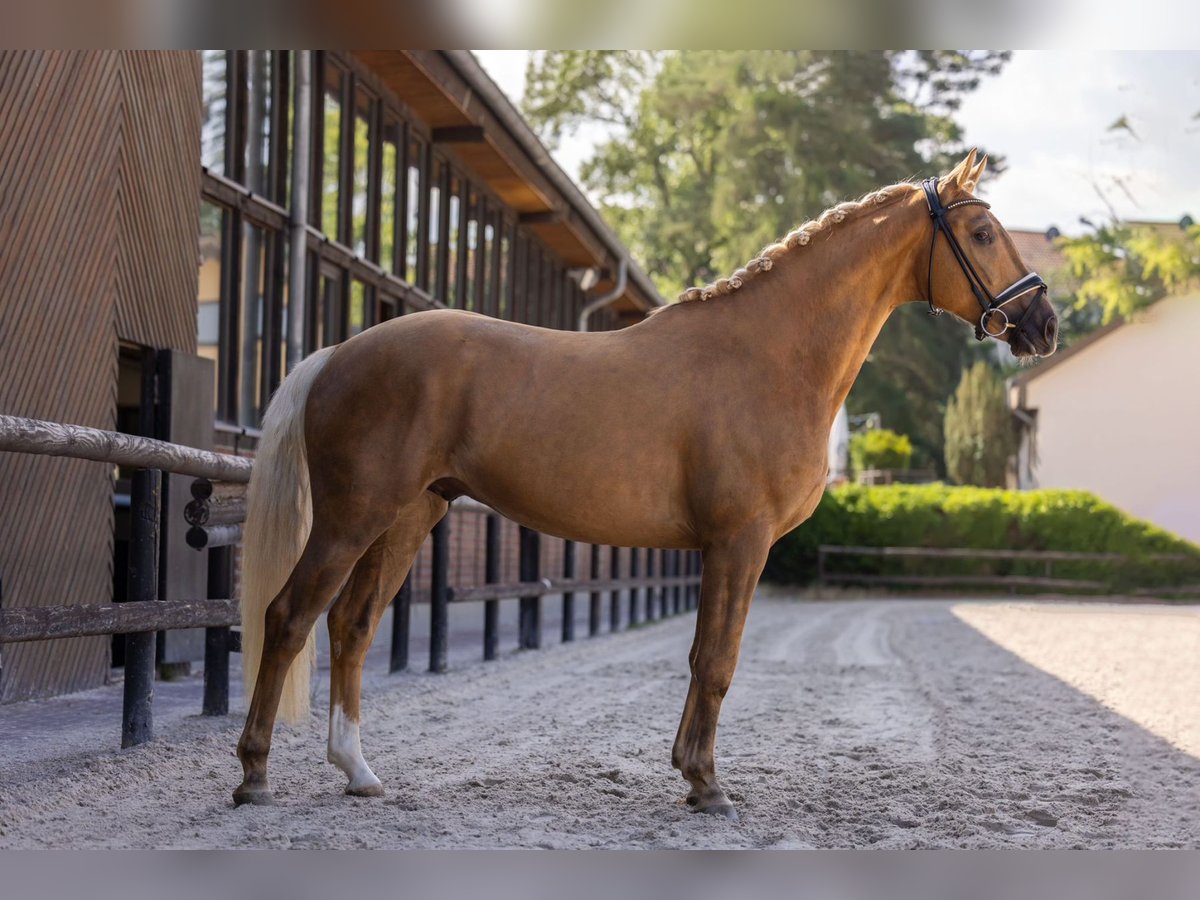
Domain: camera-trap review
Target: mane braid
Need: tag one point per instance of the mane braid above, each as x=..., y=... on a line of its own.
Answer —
x=798, y=237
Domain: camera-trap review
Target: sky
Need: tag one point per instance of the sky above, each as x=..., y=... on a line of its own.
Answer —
x=1048, y=113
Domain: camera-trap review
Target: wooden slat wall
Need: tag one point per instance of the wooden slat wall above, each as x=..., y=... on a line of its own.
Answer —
x=91, y=143
x=159, y=183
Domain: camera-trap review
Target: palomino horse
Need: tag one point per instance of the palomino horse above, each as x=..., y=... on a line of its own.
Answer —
x=723, y=447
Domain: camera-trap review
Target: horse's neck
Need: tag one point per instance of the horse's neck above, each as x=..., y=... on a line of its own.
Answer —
x=819, y=312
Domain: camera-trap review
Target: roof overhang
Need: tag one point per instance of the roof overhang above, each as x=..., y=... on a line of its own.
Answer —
x=467, y=111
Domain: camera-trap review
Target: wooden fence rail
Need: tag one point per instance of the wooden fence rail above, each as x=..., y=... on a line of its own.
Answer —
x=215, y=516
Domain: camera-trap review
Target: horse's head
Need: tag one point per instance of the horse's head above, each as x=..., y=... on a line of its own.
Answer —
x=975, y=271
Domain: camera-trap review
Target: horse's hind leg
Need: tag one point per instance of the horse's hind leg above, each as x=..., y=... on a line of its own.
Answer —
x=352, y=623
x=327, y=560
x=731, y=572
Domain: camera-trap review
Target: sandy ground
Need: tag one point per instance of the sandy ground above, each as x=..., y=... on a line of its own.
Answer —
x=850, y=723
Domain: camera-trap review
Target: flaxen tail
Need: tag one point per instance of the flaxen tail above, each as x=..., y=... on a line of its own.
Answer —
x=278, y=521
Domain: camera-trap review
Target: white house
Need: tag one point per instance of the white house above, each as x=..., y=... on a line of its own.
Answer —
x=1118, y=413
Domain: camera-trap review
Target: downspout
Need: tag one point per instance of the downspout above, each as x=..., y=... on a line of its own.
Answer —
x=298, y=220
x=603, y=301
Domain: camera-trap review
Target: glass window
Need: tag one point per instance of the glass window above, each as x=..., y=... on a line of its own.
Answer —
x=389, y=194
x=258, y=121
x=412, y=231
x=488, y=249
x=435, y=215
x=358, y=308
x=331, y=152
x=453, y=288
x=208, y=306
x=505, y=276
x=212, y=129
x=472, y=251
x=253, y=289
x=359, y=213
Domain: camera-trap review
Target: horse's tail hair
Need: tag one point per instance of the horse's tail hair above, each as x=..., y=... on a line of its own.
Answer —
x=278, y=522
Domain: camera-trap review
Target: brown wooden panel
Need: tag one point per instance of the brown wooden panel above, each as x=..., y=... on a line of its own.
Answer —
x=99, y=168
x=158, y=158
x=58, y=350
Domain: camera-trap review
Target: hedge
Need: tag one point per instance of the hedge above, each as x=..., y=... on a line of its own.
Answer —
x=936, y=515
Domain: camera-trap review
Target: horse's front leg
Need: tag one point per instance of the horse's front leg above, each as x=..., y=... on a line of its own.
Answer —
x=731, y=571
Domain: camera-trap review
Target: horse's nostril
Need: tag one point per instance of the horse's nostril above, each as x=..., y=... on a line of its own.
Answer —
x=1051, y=329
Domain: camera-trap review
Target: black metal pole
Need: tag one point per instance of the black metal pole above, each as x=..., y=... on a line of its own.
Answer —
x=634, y=592
x=401, y=625
x=137, y=723
x=594, y=598
x=439, y=597
x=491, y=575
x=677, y=571
x=614, y=596
x=531, y=607
x=651, y=592
x=568, y=597
x=216, y=640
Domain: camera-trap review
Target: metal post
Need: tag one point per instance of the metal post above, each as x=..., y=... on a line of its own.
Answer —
x=401, y=624
x=217, y=640
x=568, y=597
x=614, y=596
x=439, y=599
x=651, y=592
x=137, y=722
x=491, y=575
x=634, y=592
x=594, y=598
x=531, y=607
x=676, y=592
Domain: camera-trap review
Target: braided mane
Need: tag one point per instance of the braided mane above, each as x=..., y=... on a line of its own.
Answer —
x=800, y=236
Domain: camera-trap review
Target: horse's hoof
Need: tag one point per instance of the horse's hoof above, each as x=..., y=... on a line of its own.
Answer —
x=715, y=804
x=253, y=796
x=368, y=789
x=725, y=810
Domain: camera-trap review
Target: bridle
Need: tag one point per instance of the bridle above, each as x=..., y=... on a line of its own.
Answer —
x=993, y=320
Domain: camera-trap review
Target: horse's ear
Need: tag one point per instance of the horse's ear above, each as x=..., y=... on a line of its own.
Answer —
x=961, y=173
x=976, y=174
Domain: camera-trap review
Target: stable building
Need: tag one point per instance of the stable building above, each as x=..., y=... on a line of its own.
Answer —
x=180, y=228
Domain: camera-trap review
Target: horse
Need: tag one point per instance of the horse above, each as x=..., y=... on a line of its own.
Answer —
x=720, y=447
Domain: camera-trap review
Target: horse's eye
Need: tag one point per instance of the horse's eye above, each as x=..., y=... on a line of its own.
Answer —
x=982, y=236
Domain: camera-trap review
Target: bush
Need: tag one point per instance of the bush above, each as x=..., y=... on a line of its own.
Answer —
x=936, y=515
x=880, y=448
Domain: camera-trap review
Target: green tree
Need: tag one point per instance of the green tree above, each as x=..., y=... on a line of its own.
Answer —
x=1123, y=267
x=979, y=435
x=714, y=154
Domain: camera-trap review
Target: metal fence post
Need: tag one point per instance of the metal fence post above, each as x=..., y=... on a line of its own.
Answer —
x=614, y=596
x=568, y=597
x=439, y=597
x=401, y=624
x=594, y=599
x=651, y=593
x=137, y=719
x=634, y=592
x=491, y=575
x=677, y=592
x=531, y=607
x=217, y=640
